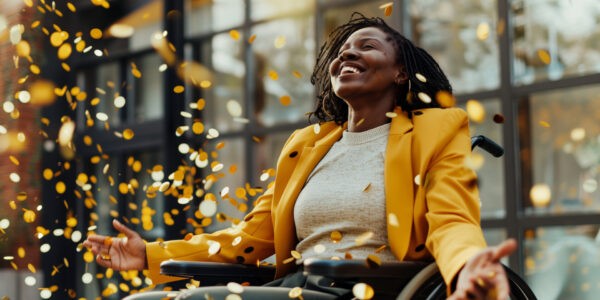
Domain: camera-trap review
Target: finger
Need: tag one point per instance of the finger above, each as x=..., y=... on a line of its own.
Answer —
x=97, y=238
x=123, y=229
x=504, y=249
x=501, y=284
x=103, y=262
x=474, y=291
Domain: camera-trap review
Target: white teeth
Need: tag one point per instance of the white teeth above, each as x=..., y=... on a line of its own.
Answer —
x=350, y=69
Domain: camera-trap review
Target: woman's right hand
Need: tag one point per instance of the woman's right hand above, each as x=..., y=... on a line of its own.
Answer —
x=121, y=254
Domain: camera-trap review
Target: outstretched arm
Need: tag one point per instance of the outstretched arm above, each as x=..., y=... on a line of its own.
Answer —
x=127, y=253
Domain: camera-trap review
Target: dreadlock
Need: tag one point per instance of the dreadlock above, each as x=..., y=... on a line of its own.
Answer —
x=329, y=107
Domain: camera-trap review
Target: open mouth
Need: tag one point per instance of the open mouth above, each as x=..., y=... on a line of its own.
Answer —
x=349, y=70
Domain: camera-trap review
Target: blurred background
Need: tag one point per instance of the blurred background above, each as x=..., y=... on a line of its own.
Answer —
x=145, y=110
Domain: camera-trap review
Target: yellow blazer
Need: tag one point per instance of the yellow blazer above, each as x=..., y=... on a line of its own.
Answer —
x=428, y=190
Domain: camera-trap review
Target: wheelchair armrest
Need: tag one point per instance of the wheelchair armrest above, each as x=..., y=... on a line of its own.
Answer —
x=215, y=273
x=345, y=269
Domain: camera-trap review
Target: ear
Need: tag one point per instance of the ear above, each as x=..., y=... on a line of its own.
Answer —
x=401, y=76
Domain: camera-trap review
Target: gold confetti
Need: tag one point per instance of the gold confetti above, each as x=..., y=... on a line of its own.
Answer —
x=373, y=261
x=23, y=48
x=540, y=195
x=388, y=10
x=285, y=100
x=128, y=134
x=544, y=56
x=420, y=77
x=29, y=216
x=295, y=292
x=235, y=287
x=363, y=238
x=96, y=33
x=136, y=73
x=483, y=31
x=476, y=111
x=64, y=51
x=297, y=74
x=273, y=75
x=545, y=124
x=234, y=34
x=279, y=41
x=178, y=89
x=296, y=254
x=391, y=114
x=14, y=160
x=60, y=187
x=474, y=161
x=34, y=69
x=336, y=236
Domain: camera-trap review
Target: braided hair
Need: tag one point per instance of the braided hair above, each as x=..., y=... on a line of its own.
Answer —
x=329, y=107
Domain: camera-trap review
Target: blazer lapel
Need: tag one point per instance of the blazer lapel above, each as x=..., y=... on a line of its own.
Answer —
x=285, y=229
x=399, y=184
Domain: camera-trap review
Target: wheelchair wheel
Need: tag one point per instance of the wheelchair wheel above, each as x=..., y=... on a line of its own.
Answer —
x=429, y=285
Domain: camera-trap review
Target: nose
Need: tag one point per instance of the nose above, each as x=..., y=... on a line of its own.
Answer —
x=348, y=54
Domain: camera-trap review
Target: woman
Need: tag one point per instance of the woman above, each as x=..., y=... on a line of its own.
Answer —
x=385, y=159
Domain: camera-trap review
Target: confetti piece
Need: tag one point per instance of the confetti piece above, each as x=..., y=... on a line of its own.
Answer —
x=336, y=236
x=544, y=56
x=483, y=31
x=96, y=33
x=234, y=34
x=285, y=100
x=545, y=124
x=235, y=287
x=64, y=51
x=424, y=97
x=251, y=39
x=540, y=195
x=498, y=118
x=363, y=238
x=273, y=75
x=388, y=11
x=362, y=291
x=178, y=89
x=295, y=292
x=476, y=111
x=391, y=114
x=234, y=108
x=279, y=41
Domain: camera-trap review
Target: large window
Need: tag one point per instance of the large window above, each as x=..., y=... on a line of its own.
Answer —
x=533, y=66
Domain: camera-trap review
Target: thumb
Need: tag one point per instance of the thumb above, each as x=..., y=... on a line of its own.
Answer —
x=504, y=249
x=123, y=229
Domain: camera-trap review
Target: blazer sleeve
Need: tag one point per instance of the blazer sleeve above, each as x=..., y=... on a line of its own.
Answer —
x=255, y=232
x=453, y=201
x=250, y=241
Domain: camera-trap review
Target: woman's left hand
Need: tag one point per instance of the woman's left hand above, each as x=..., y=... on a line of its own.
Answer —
x=483, y=275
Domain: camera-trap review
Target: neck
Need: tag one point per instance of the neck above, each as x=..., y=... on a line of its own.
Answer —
x=365, y=114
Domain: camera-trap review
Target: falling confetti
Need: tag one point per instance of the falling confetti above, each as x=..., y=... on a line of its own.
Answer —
x=279, y=42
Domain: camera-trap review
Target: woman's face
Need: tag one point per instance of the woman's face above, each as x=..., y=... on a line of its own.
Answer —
x=366, y=65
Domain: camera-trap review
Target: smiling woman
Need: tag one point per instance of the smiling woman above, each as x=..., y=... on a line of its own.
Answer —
x=380, y=177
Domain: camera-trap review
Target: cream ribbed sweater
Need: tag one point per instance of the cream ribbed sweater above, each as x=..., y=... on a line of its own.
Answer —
x=335, y=197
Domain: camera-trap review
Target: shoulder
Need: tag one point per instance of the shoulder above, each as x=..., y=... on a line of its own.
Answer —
x=310, y=134
x=435, y=128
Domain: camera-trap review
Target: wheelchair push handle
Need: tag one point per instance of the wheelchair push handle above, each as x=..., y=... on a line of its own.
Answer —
x=487, y=145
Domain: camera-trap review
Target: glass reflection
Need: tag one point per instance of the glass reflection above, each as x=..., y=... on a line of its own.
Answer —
x=554, y=39
x=491, y=173
x=205, y=16
x=148, y=89
x=560, y=150
x=224, y=56
x=462, y=37
x=563, y=262
x=297, y=55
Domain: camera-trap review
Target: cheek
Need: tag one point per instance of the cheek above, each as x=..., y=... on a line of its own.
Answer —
x=333, y=66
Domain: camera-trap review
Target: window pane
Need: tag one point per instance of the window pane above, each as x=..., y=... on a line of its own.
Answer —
x=224, y=56
x=297, y=55
x=495, y=236
x=462, y=38
x=233, y=153
x=262, y=9
x=108, y=79
x=148, y=92
x=337, y=16
x=562, y=262
x=560, y=150
x=132, y=32
x=545, y=49
x=491, y=173
x=206, y=16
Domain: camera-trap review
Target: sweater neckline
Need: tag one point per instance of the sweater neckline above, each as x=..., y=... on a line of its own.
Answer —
x=357, y=138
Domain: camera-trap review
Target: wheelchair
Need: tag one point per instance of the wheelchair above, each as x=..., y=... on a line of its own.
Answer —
x=408, y=280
